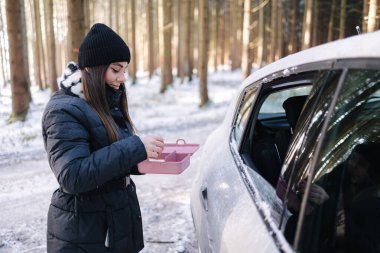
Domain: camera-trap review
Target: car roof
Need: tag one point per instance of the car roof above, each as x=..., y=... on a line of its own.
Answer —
x=359, y=46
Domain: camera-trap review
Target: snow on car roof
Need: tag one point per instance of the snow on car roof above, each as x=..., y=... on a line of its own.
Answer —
x=359, y=46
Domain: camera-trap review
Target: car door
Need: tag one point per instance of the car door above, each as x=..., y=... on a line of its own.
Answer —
x=251, y=217
x=337, y=158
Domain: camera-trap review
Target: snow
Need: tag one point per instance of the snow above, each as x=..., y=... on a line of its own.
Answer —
x=26, y=181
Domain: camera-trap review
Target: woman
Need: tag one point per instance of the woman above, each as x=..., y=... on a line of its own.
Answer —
x=92, y=150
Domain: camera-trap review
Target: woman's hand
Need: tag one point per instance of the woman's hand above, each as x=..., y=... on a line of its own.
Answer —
x=153, y=145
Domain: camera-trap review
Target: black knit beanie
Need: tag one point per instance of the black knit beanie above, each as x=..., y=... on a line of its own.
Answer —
x=102, y=46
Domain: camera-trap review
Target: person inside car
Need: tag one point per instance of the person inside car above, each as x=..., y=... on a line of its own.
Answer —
x=334, y=195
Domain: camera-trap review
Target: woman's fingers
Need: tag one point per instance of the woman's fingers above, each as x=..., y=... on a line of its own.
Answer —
x=153, y=145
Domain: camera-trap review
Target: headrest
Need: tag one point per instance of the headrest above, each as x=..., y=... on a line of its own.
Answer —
x=293, y=107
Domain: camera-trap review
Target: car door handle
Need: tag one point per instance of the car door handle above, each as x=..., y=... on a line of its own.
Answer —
x=204, y=198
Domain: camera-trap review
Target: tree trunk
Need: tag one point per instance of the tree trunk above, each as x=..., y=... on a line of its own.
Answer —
x=279, y=32
x=365, y=16
x=236, y=33
x=292, y=46
x=110, y=13
x=36, y=55
x=214, y=50
x=372, y=24
x=261, y=34
x=315, y=24
x=273, y=30
x=186, y=38
x=247, y=39
x=3, y=58
x=76, y=25
x=166, y=74
x=185, y=5
x=179, y=26
x=87, y=15
x=150, y=16
x=307, y=26
x=342, y=20
x=222, y=31
x=18, y=59
x=192, y=33
x=227, y=33
x=330, y=33
x=132, y=69
x=203, y=50
x=51, y=59
x=40, y=55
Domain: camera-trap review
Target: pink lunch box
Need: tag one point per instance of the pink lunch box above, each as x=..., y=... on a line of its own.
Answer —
x=174, y=159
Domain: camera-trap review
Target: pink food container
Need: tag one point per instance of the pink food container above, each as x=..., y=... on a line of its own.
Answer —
x=174, y=159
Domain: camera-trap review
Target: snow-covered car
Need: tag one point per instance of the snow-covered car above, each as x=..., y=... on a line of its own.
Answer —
x=292, y=168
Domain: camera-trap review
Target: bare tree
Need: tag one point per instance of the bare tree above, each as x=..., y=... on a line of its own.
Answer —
x=365, y=16
x=214, y=31
x=133, y=65
x=150, y=17
x=247, y=58
x=236, y=33
x=51, y=59
x=330, y=33
x=292, y=46
x=76, y=25
x=261, y=34
x=203, y=50
x=342, y=20
x=166, y=67
x=187, y=32
x=307, y=26
x=20, y=83
x=190, y=40
x=274, y=30
x=372, y=11
x=314, y=34
x=3, y=57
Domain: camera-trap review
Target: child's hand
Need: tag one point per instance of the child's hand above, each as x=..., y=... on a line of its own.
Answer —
x=317, y=194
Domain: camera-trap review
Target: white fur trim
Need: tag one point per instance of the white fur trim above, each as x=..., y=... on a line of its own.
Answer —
x=71, y=79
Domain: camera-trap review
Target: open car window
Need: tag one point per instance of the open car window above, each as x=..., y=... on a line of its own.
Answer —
x=273, y=127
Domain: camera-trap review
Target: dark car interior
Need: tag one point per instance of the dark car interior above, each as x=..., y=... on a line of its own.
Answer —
x=270, y=132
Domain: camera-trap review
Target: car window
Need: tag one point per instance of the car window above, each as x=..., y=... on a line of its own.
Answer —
x=302, y=148
x=244, y=112
x=273, y=130
x=345, y=191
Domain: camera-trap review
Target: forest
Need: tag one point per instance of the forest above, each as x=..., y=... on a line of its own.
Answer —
x=183, y=39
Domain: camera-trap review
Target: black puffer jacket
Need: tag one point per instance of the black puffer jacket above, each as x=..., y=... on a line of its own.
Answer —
x=87, y=206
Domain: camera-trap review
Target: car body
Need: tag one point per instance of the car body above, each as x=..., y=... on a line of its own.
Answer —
x=247, y=194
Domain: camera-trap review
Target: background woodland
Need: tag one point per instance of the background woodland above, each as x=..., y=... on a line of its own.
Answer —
x=182, y=39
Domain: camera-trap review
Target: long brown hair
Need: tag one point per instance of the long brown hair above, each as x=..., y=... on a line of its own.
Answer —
x=94, y=90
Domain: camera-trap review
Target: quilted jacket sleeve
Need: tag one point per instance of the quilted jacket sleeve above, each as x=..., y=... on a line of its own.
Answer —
x=68, y=147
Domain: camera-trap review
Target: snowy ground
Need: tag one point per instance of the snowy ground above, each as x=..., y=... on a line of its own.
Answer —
x=26, y=182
